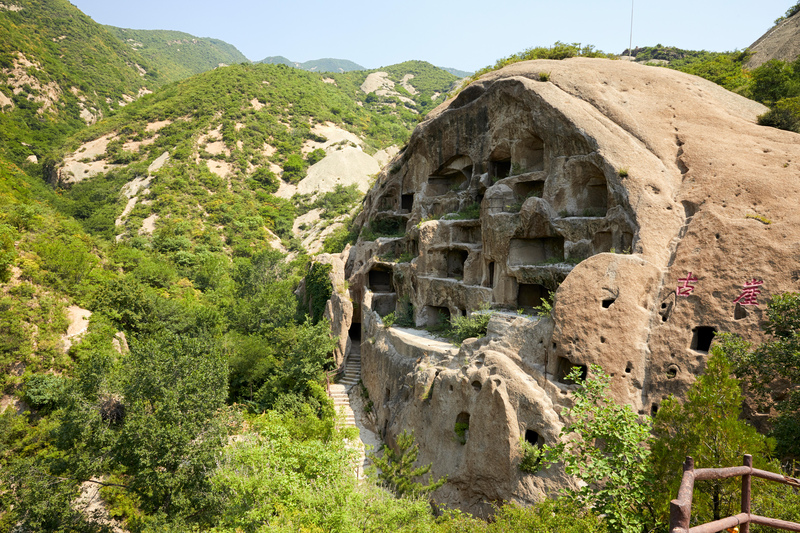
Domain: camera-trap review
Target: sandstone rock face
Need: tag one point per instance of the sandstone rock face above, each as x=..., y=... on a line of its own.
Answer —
x=645, y=198
x=780, y=42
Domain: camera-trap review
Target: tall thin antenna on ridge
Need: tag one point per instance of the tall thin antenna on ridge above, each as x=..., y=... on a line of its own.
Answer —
x=630, y=44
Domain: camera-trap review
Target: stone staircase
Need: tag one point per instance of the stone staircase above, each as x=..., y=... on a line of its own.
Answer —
x=352, y=371
x=339, y=394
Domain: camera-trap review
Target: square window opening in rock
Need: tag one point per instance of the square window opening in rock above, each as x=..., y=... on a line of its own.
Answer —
x=565, y=367
x=702, y=337
x=527, y=189
x=467, y=235
x=530, y=296
x=388, y=226
x=597, y=197
x=461, y=427
x=384, y=303
x=490, y=278
x=602, y=241
x=436, y=316
x=528, y=155
x=627, y=242
x=439, y=185
x=407, y=202
x=455, y=263
x=536, y=251
x=380, y=280
x=499, y=169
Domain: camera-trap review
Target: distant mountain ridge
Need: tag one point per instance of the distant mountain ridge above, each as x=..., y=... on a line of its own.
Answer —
x=315, y=65
x=339, y=65
x=457, y=72
x=177, y=55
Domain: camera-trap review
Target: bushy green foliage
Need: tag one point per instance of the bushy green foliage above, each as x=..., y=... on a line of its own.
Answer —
x=318, y=289
x=789, y=13
x=340, y=237
x=604, y=445
x=706, y=427
x=7, y=251
x=70, y=50
x=335, y=203
x=470, y=212
x=776, y=359
x=315, y=156
x=468, y=326
x=531, y=456
x=785, y=114
x=44, y=392
x=558, y=51
x=397, y=472
x=177, y=55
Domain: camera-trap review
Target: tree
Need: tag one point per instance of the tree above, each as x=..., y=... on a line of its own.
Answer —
x=776, y=359
x=706, y=427
x=158, y=413
x=604, y=445
x=397, y=470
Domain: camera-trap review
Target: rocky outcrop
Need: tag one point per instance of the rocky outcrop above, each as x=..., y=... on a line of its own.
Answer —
x=646, y=199
x=780, y=42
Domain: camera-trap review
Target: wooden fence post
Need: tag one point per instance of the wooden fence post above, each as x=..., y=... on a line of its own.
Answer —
x=680, y=509
x=748, y=461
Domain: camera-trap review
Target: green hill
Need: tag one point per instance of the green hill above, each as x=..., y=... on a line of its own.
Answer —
x=177, y=55
x=229, y=134
x=60, y=71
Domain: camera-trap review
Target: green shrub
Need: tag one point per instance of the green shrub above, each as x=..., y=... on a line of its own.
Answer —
x=315, y=156
x=294, y=169
x=461, y=429
x=397, y=470
x=465, y=327
x=531, y=455
x=785, y=114
x=44, y=391
x=389, y=320
x=470, y=212
x=7, y=251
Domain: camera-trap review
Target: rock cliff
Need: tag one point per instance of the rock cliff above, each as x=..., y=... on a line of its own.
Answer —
x=648, y=200
x=779, y=42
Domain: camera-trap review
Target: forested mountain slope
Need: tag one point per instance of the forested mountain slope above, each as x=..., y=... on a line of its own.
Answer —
x=177, y=55
x=59, y=71
x=217, y=146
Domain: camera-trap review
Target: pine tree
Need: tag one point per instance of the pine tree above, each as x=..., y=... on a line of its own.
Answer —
x=396, y=469
x=707, y=428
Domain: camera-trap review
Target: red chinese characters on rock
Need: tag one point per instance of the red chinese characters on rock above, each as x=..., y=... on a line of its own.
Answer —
x=750, y=293
x=686, y=287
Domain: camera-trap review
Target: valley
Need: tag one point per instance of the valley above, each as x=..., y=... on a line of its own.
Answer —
x=218, y=278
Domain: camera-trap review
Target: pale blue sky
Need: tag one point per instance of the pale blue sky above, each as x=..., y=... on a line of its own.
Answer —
x=467, y=34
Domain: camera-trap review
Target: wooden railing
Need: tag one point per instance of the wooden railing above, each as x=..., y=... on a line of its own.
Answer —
x=680, y=509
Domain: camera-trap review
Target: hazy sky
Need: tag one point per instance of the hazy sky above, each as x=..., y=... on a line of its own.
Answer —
x=465, y=34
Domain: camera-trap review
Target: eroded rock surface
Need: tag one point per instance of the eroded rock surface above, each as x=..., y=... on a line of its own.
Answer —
x=645, y=198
